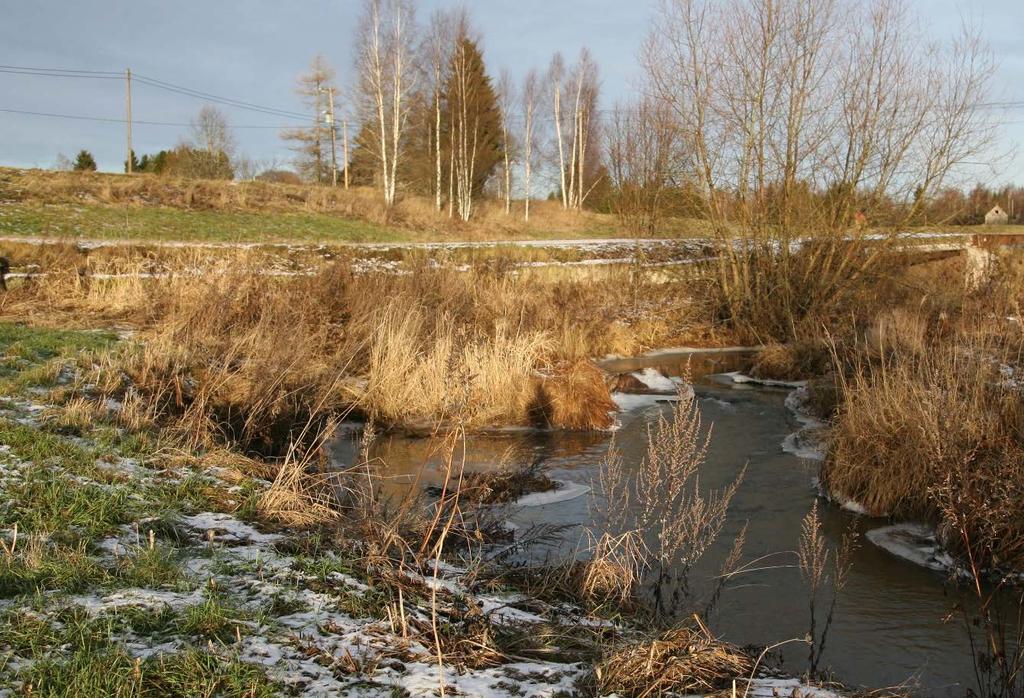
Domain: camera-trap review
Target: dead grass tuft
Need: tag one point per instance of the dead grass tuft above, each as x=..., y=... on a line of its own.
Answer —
x=574, y=397
x=924, y=420
x=678, y=661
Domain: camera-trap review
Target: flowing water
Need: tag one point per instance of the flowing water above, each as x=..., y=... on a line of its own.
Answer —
x=891, y=621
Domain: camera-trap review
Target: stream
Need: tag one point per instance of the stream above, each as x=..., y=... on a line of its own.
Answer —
x=894, y=622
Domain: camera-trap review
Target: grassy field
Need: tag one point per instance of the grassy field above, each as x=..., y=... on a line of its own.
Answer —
x=105, y=206
x=137, y=223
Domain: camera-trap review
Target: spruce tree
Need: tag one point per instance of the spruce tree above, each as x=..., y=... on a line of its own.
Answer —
x=85, y=162
x=469, y=87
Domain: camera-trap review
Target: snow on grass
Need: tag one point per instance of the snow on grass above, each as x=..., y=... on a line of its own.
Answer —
x=227, y=528
x=528, y=679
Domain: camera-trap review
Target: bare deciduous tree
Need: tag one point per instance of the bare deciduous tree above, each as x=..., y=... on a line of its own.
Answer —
x=574, y=94
x=555, y=79
x=312, y=144
x=530, y=98
x=436, y=50
x=643, y=150
x=506, y=96
x=803, y=116
x=210, y=132
x=782, y=99
x=385, y=79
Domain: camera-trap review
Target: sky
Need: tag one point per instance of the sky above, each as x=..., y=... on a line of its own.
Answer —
x=252, y=51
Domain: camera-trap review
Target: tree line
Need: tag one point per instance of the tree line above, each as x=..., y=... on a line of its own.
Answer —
x=769, y=114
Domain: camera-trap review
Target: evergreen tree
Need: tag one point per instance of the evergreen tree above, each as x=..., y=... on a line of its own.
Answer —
x=136, y=166
x=85, y=162
x=470, y=111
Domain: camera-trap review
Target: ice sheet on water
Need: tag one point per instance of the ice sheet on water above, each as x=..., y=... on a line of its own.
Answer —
x=914, y=542
x=655, y=381
x=566, y=491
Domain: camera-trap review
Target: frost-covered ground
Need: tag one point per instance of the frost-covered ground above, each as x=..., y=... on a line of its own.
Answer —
x=122, y=561
x=304, y=618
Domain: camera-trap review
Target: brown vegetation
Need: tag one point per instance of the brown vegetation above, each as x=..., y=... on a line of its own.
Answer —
x=412, y=213
x=927, y=429
x=682, y=660
x=238, y=357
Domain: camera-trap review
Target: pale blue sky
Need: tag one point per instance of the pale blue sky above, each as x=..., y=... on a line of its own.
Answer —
x=251, y=50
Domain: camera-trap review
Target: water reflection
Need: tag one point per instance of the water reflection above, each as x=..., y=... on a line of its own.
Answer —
x=889, y=625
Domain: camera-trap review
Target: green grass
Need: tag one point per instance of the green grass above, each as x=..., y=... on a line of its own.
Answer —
x=56, y=567
x=50, y=502
x=157, y=223
x=113, y=672
x=112, y=222
x=214, y=619
x=43, y=448
x=29, y=356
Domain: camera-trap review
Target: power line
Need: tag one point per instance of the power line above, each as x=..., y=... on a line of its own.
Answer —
x=227, y=101
x=15, y=71
x=61, y=70
x=82, y=117
x=152, y=82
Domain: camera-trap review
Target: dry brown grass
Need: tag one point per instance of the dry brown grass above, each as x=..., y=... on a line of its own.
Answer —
x=797, y=360
x=413, y=213
x=416, y=376
x=574, y=396
x=231, y=356
x=676, y=662
x=922, y=415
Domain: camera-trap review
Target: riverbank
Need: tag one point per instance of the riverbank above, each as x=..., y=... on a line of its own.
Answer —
x=130, y=564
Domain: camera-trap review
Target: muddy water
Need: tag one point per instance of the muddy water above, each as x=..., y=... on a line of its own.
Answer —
x=889, y=623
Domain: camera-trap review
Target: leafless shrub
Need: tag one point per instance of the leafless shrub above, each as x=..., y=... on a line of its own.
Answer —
x=814, y=556
x=663, y=506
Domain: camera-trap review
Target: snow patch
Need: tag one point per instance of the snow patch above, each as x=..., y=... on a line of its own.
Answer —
x=225, y=527
x=655, y=381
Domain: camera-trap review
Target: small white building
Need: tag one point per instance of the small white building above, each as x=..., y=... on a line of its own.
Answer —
x=997, y=216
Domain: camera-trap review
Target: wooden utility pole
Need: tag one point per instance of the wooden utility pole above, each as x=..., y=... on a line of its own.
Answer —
x=334, y=137
x=344, y=130
x=128, y=119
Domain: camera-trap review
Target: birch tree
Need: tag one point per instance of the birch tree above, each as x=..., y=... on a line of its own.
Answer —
x=573, y=105
x=530, y=98
x=506, y=96
x=474, y=124
x=555, y=79
x=437, y=51
x=385, y=80
x=585, y=86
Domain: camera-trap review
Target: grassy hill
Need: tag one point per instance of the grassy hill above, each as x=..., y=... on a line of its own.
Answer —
x=108, y=206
